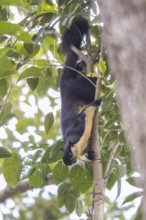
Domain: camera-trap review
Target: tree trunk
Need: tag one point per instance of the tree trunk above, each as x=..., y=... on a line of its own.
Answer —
x=124, y=37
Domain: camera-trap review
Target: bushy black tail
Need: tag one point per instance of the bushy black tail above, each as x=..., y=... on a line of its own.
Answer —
x=74, y=35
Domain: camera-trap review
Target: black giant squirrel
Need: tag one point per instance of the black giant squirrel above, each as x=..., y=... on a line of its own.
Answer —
x=77, y=97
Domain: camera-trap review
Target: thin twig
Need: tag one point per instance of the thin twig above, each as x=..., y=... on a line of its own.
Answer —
x=99, y=81
x=82, y=74
x=108, y=166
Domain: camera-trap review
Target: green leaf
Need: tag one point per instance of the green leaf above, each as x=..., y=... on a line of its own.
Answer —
x=4, y=152
x=24, y=36
x=46, y=156
x=102, y=66
x=33, y=83
x=12, y=168
x=132, y=197
x=3, y=38
x=79, y=207
x=111, y=180
x=13, y=2
x=121, y=170
x=3, y=14
x=53, y=153
x=60, y=172
x=31, y=72
x=134, y=181
x=70, y=201
x=66, y=196
x=3, y=88
x=5, y=65
x=81, y=178
x=14, y=29
x=96, y=32
x=7, y=108
x=76, y=173
x=49, y=121
x=37, y=155
x=38, y=177
x=56, y=148
x=29, y=48
x=87, y=199
x=7, y=73
x=35, y=180
x=62, y=190
x=5, y=114
x=44, y=85
x=9, y=28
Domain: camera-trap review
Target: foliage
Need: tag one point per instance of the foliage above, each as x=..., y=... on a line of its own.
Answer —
x=30, y=65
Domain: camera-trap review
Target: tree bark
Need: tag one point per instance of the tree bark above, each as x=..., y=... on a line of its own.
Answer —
x=22, y=187
x=124, y=36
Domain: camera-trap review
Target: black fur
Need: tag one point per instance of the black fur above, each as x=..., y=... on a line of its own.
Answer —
x=75, y=90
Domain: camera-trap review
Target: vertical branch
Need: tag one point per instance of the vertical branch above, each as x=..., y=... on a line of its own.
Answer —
x=88, y=42
x=99, y=186
x=90, y=58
